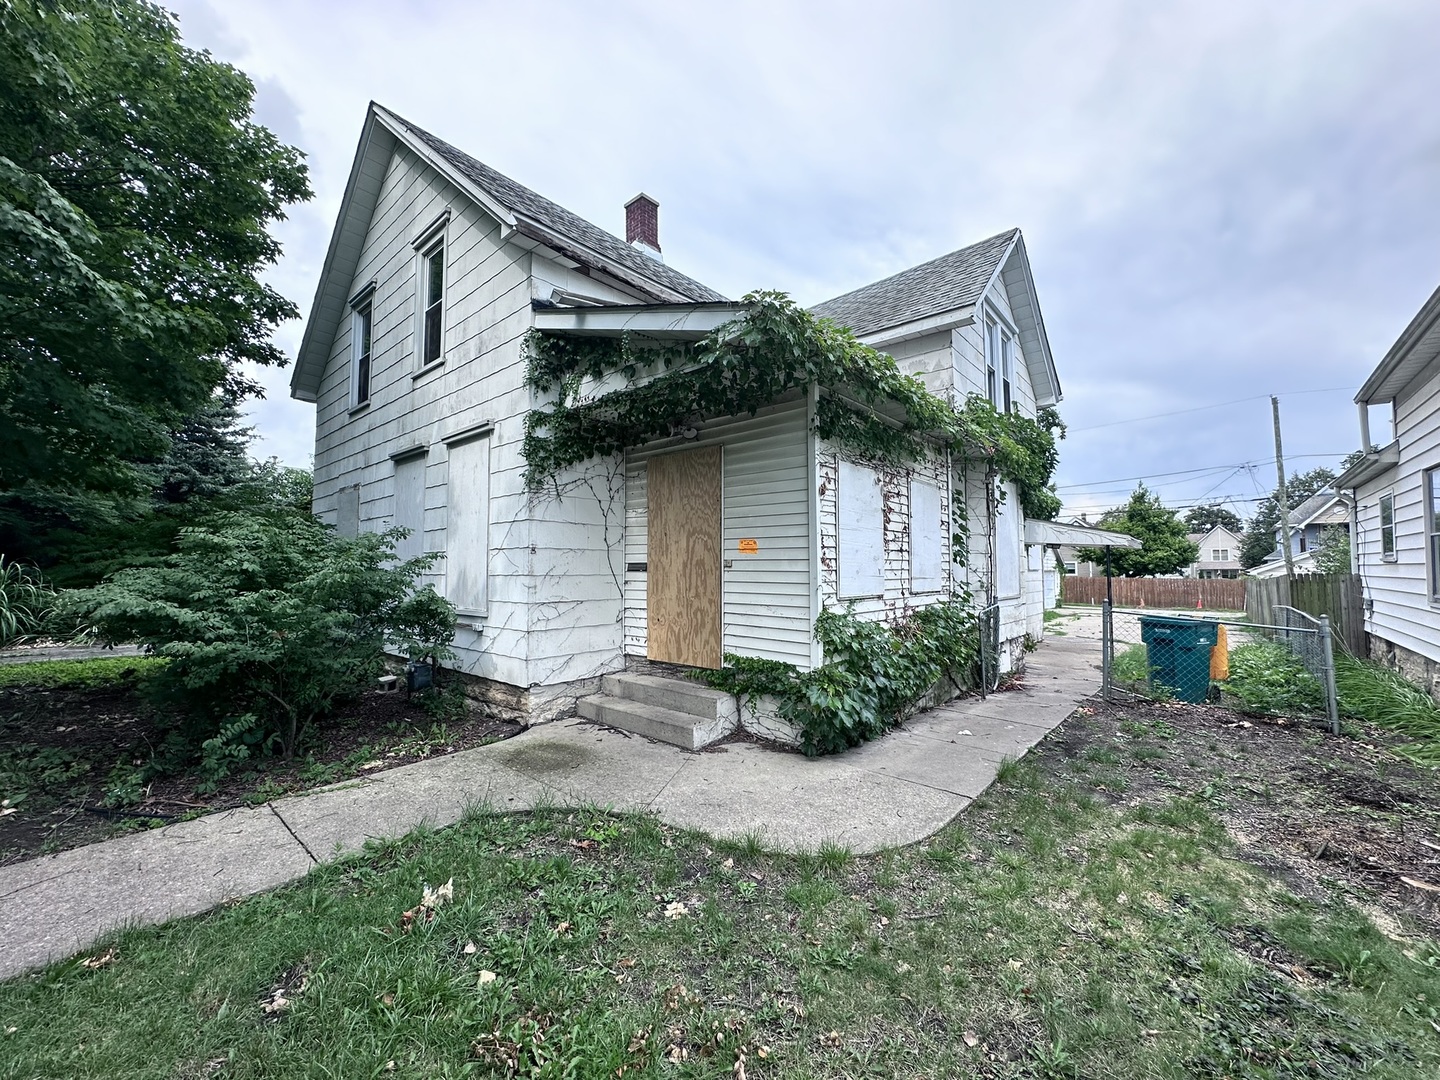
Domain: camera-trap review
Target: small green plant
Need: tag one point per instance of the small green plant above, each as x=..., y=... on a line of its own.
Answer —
x=1386, y=698
x=1266, y=677
x=26, y=601
x=1131, y=666
x=89, y=674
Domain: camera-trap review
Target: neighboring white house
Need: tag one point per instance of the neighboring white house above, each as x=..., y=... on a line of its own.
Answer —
x=1395, y=534
x=1219, y=554
x=414, y=355
x=1309, y=524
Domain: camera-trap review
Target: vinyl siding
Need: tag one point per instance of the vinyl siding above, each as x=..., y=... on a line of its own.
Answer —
x=765, y=481
x=1402, y=612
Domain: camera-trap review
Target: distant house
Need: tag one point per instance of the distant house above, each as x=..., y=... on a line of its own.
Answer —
x=1396, y=488
x=1069, y=555
x=729, y=535
x=1309, y=523
x=1219, y=554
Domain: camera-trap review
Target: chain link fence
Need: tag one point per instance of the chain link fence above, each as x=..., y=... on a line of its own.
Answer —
x=1284, y=669
x=988, y=625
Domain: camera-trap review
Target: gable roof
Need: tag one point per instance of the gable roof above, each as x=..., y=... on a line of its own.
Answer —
x=954, y=283
x=1315, y=506
x=1417, y=347
x=524, y=217
x=555, y=223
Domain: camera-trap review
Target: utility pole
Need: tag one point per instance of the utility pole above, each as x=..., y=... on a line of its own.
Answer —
x=1284, y=502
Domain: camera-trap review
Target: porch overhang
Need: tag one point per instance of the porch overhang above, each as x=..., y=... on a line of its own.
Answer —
x=676, y=322
x=1054, y=534
x=1370, y=467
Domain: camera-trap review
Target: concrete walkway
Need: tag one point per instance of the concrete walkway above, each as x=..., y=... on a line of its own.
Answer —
x=893, y=791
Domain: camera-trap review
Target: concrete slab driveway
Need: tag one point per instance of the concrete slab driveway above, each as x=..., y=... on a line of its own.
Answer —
x=893, y=791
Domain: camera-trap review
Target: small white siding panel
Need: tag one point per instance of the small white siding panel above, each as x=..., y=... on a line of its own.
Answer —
x=467, y=537
x=766, y=499
x=860, y=523
x=927, y=539
x=410, y=505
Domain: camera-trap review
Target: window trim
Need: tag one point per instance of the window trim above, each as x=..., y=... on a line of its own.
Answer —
x=1007, y=368
x=1432, y=531
x=1387, y=497
x=362, y=304
x=992, y=347
x=438, y=245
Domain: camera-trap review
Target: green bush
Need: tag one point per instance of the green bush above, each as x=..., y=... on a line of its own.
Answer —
x=1386, y=698
x=25, y=602
x=1268, y=678
x=1131, y=666
x=873, y=674
x=267, y=623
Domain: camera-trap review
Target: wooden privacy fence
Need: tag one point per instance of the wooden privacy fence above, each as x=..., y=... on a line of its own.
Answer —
x=1222, y=594
x=1336, y=595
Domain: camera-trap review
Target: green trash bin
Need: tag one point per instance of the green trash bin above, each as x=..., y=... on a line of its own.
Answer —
x=1178, y=652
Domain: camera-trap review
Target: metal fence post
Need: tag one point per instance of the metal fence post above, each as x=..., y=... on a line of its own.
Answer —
x=1327, y=652
x=1107, y=648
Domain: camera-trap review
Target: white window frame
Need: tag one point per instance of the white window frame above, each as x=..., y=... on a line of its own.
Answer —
x=362, y=353
x=992, y=359
x=423, y=306
x=1387, y=501
x=1007, y=370
x=859, y=533
x=1432, y=531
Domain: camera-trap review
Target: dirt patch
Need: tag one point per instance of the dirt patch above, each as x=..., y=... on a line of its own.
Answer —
x=61, y=751
x=1322, y=812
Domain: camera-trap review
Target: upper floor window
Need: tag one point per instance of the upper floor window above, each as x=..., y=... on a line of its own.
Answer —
x=1219, y=554
x=1387, y=525
x=1432, y=530
x=1007, y=368
x=992, y=357
x=361, y=320
x=432, y=299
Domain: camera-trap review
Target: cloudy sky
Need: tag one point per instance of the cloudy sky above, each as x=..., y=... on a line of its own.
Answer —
x=1221, y=200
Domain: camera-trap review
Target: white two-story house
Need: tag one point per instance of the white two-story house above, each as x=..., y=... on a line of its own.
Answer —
x=731, y=536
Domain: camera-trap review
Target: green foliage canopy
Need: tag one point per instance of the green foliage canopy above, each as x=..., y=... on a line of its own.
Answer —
x=1204, y=518
x=268, y=621
x=776, y=347
x=135, y=195
x=1166, y=548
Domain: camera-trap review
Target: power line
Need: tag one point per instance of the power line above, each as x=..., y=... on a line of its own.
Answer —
x=1201, y=408
x=1190, y=472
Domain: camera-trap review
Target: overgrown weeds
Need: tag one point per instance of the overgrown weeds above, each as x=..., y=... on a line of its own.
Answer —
x=1387, y=698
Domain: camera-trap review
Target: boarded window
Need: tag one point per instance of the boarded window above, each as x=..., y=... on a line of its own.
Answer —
x=1007, y=548
x=860, y=508
x=410, y=505
x=927, y=538
x=467, y=531
x=347, y=516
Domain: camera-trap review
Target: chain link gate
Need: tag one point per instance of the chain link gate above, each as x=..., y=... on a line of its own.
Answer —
x=1168, y=654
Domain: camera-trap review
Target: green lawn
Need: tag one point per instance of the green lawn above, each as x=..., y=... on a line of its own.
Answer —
x=1048, y=933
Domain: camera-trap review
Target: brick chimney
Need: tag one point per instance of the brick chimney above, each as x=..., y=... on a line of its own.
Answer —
x=642, y=225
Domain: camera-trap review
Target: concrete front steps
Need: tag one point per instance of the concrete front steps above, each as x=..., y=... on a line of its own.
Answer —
x=675, y=711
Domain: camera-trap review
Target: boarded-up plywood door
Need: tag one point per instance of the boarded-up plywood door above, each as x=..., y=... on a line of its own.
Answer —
x=683, y=606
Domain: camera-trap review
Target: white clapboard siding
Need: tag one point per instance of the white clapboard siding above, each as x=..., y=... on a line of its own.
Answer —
x=1400, y=589
x=766, y=473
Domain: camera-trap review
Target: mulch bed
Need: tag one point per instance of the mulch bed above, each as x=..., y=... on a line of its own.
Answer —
x=1322, y=812
x=72, y=738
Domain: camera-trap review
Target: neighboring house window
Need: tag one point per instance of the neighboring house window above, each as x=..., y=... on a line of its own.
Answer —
x=1387, y=525
x=992, y=357
x=1072, y=568
x=410, y=505
x=1220, y=555
x=360, y=348
x=1007, y=367
x=927, y=539
x=432, y=296
x=467, y=525
x=1432, y=529
x=859, y=507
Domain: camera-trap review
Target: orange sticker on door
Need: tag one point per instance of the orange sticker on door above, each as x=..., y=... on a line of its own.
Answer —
x=749, y=547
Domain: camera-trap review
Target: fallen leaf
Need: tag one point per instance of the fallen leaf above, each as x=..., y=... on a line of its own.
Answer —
x=100, y=960
x=676, y=909
x=728, y=864
x=387, y=999
x=469, y=949
x=1016, y=964
x=762, y=1053
x=562, y=929
x=487, y=977
x=971, y=1039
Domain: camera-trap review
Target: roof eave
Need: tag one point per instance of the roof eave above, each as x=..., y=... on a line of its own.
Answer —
x=1382, y=386
x=675, y=321
x=1373, y=465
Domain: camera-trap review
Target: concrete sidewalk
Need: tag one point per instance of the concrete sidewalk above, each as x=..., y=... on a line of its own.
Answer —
x=893, y=791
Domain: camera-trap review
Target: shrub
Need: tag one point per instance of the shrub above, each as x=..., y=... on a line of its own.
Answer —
x=1387, y=698
x=1268, y=678
x=267, y=621
x=25, y=602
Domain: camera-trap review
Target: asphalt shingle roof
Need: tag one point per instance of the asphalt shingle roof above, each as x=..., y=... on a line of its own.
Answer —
x=944, y=284
x=523, y=202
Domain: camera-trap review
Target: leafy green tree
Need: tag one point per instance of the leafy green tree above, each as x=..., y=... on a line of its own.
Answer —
x=1204, y=518
x=135, y=195
x=268, y=622
x=1333, y=554
x=1166, y=547
x=1260, y=534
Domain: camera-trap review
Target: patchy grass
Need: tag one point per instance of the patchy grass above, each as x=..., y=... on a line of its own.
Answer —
x=1054, y=931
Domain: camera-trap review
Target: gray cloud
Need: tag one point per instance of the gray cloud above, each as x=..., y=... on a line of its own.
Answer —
x=1220, y=199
